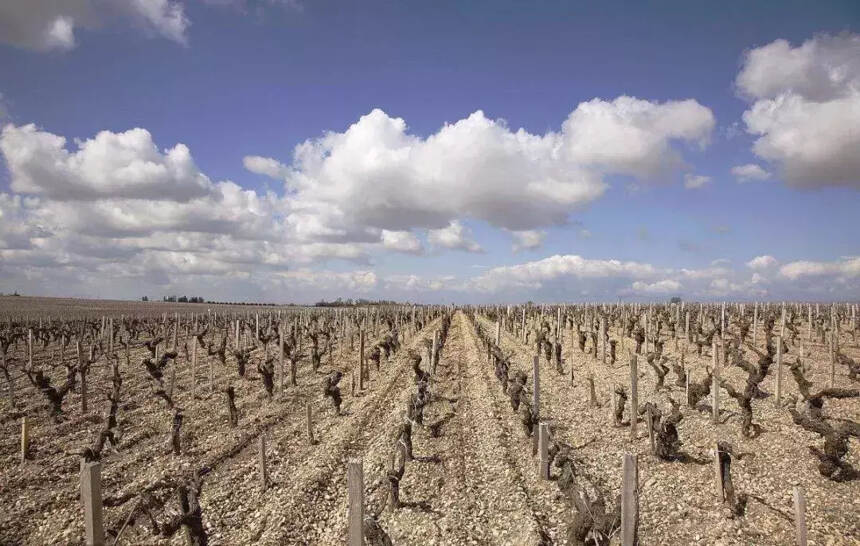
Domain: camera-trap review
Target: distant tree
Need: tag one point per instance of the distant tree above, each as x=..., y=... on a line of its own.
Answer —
x=182, y=299
x=144, y=298
x=675, y=299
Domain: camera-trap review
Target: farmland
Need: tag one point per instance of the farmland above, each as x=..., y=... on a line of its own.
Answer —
x=210, y=424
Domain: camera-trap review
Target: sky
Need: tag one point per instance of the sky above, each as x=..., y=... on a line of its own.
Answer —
x=469, y=152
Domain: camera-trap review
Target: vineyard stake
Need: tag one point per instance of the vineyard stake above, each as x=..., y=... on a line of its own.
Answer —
x=800, y=515
x=634, y=395
x=91, y=496
x=310, y=424
x=536, y=395
x=264, y=479
x=755, y=323
x=25, y=438
x=718, y=474
x=687, y=388
x=543, y=447
x=361, y=361
x=779, y=369
x=715, y=384
x=355, y=484
x=592, y=396
x=629, y=501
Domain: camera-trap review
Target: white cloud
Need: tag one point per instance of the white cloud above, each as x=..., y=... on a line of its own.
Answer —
x=378, y=175
x=110, y=164
x=534, y=273
x=762, y=262
x=265, y=166
x=845, y=268
x=749, y=172
x=353, y=281
x=60, y=34
x=806, y=108
x=165, y=17
x=632, y=136
x=660, y=287
x=724, y=287
x=401, y=241
x=44, y=25
x=455, y=236
x=415, y=283
x=705, y=273
x=695, y=181
x=527, y=239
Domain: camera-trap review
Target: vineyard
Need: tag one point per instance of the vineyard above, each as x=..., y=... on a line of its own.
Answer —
x=687, y=423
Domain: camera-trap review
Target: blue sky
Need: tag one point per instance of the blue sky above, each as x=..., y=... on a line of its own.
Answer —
x=236, y=79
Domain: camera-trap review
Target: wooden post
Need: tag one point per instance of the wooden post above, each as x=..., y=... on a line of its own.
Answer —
x=264, y=478
x=778, y=370
x=832, y=359
x=434, y=356
x=310, y=424
x=718, y=474
x=634, y=396
x=755, y=322
x=800, y=515
x=355, y=484
x=83, y=376
x=543, y=450
x=687, y=326
x=361, y=361
x=30, y=348
x=498, y=332
x=592, y=395
x=687, y=388
x=91, y=496
x=523, y=330
x=25, y=438
x=281, y=354
x=603, y=340
x=715, y=385
x=629, y=501
x=536, y=395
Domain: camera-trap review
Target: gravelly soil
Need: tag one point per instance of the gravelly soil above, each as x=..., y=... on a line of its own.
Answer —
x=476, y=482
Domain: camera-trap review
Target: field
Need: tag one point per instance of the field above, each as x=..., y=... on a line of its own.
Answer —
x=428, y=408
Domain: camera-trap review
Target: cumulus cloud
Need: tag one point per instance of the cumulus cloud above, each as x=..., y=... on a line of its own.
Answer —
x=660, y=287
x=376, y=174
x=44, y=25
x=559, y=266
x=455, y=236
x=806, y=108
x=265, y=166
x=845, y=268
x=762, y=262
x=351, y=281
x=114, y=214
x=114, y=165
x=632, y=136
x=401, y=241
x=527, y=239
x=695, y=181
x=749, y=172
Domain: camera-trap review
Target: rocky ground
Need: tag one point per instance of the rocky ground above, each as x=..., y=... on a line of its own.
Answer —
x=474, y=479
